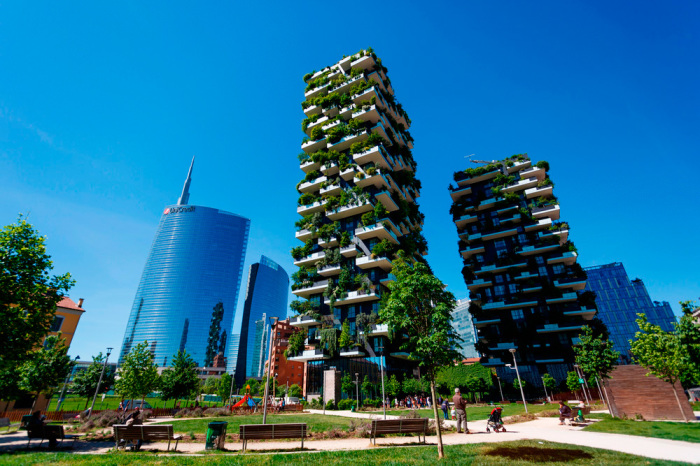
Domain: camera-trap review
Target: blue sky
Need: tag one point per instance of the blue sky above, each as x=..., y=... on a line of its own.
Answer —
x=103, y=105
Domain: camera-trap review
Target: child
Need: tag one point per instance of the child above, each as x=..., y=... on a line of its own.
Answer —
x=453, y=414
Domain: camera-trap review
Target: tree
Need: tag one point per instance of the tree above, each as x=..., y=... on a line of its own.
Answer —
x=661, y=353
x=549, y=382
x=689, y=335
x=85, y=382
x=28, y=298
x=211, y=385
x=224, y=388
x=254, y=386
x=294, y=391
x=367, y=387
x=393, y=387
x=179, y=381
x=347, y=385
x=456, y=376
x=420, y=307
x=572, y=381
x=517, y=382
x=345, y=340
x=46, y=367
x=138, y=374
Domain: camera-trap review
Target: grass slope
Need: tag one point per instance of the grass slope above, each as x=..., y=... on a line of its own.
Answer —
x=315, y=422
x=689, y=432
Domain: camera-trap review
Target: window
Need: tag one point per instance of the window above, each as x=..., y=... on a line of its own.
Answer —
x=56, y=324
x=558, y=269
x=522, y=238
x=499, y=278
x=539, y=260
x=542, y=271
x=512, y=288
x=517, y=314
x=499, y=290
x=500, y=244
x=351, y=312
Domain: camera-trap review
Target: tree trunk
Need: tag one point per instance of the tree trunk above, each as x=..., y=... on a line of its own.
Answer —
x=675, y=393
x=39, y=394
x=441, y=450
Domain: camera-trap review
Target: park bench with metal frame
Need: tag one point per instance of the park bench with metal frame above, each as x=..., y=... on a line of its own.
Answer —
x=399, y=426
x=5, y=422
x=46, y=432
x=271, y=432
x=141, y=432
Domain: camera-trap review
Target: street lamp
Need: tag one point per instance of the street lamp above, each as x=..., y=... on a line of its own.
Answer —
x=381, y=368
x=357, y=390
x=63, y=392
x=269, y=369
x=546, y=397
x=499, y=387
x=99, y=382
x=517, y=372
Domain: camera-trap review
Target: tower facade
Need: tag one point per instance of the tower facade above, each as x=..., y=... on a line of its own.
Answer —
x=525, y=285
x=620, y=299
x=188, y=292
x=358, y=208
x=463, y=325
x=266, y=296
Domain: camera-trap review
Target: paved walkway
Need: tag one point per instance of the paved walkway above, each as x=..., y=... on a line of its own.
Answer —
x=544, y=429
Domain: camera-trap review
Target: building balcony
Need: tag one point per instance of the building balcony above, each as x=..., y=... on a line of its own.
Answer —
x=519, y=166
x=533, y=289
x=503, y=346
x=527, y=274
x=367, y=94
x=309, y=166
x=317, y=91
x=304, y=235
x=535, y=192
x=459, y=192
x=313, y=185
x=368, y=262
x=345, y=86
x=366, y=63
x=378, y=230
x=535, y=172
x=309, y=355
x=312, y=110
x=390, y=278
x=312, y=146
x=321, y=121
x=464, y=220
x=350, y=210
x=524, y=183
x=330, y=169
x=329, y=270
x=508, y=305
x=331, y=190
x=573, y=283
x=303, y=322
x=378, y=330
x=348, y=174
x=332, y=241
x=375, y=155
x=478, y=283
x=562, y=234
x=548, y=361
x=493, y=362
x=385, y=198
x=514, y=218
x=568, y=258
x=499, y=268
x=529, y=250
x=350, y=250
x=370, y=114
x=315, y=288
x=540, y=225
x=477, y=179
x=487, y=203
x=469, y=251
x=500, y=234
x=355, y=297
x=472, y=236
x=485, y=322
x=378, y=180
x=550, y=211
x=317, y=206
x=565, y=298
x=583, y=311
x=311, y=259
x=551, y=328
x=351, y=353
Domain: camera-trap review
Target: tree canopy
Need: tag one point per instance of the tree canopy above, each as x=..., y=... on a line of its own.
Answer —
x=180, y=381
x=85, y=381
x=595, y=354
x=46, y=367
x=138, y=374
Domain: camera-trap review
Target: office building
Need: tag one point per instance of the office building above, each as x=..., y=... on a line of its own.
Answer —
x=266, y=298
x=358, y=208
x=620, y=299
x=188, y=292
x=464, y=327
x=526, y=288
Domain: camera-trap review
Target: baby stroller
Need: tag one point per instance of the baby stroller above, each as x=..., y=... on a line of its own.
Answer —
x=494, y=421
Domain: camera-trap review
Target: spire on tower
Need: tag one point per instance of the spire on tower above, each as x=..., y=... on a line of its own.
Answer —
x=185, y=196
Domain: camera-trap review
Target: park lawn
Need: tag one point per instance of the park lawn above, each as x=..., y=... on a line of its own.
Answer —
x=315, y=422
x=477, y=413
x=688, y=432
x=74, y=403
x=525, y=452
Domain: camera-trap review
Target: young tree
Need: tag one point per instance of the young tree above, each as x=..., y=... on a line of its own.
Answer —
x=180, y=381
x=345, y=340
x=367, y=387
x=28, y=298
x=347, y=385
x=594, y=354
x=516, y=384
x=47, y=367
x=224, y=389
x=549, y=382
x=138, y=374
x=295, y=391
x=85, y=381
x=572, y=382
x=661, y=353
x=420, y=307
x=689, y=334
x=254, y=386
x=393, y=387
x=211, y=385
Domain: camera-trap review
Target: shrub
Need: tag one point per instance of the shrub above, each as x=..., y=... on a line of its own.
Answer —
x=346, y=404
x=543, y=164
x=184, y=412
x=212, y=412
x=360, y=426
x=197, y=412
x=87, y=425
x=369, y=219
x=331, y=404
x=316, y=133
x=107, y=419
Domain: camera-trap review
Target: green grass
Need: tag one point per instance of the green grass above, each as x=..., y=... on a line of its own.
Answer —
x=526, y=452
x=315, y=422
x=688, y=432
x=476, y=413
x=74, y=403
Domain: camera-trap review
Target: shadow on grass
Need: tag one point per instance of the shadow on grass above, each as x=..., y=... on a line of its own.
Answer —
x=538, y=454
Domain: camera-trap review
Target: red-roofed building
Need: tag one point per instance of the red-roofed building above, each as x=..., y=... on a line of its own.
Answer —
x=68, y=315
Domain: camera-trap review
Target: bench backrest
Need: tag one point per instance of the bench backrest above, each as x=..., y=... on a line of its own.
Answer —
x=4, y=422
x=399, y=426
x=141, y=432
x=272, y=431
x=44, y=431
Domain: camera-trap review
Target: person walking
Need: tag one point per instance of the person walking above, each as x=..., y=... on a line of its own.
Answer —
x=460, y=412
x=445, y=408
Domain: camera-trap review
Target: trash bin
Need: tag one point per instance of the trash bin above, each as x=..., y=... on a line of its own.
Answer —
x=352, y=409
x=216, y=435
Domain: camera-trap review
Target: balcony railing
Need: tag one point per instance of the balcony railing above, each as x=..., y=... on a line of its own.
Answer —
x=309, y=355
x=315, y=288
x=355, y=297
x=303, y=321
x=368, y=262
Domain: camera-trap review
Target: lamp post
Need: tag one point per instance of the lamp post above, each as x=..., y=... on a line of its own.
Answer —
x=499, y=387
x=517, y=372
x=230, y=394
x=546, y=397
x=579, y=372
x=381, y=368
x=269, y=369
x=357, y=390
x=63, y=392
x=99, y=382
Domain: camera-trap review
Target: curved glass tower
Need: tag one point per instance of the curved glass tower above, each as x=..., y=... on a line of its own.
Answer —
x=266, y=296
x=188, y=292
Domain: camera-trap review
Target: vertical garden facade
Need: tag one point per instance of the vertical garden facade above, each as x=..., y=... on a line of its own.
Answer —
x=526, y=288
x=357, y=207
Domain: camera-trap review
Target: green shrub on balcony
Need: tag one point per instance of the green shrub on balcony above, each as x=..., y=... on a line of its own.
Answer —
x=317, y=133
x=345, y=340
x=307, y=199
x=512, y=198
x=359, y=176
x=344, y=239
x=559, y=226
x=304, y=277
x=384, y=248
x=307, y=121
x=295, y=344
x=369, y=218
x=545, y=182
x=327, y=231
x=543, y=164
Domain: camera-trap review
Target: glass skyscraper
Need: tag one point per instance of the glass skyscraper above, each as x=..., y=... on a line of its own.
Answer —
x=187, y=296
x=266, y=296
x=620, y=299
x=464, y=326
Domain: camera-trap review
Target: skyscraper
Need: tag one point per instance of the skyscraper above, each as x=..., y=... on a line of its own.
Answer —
x=358, y=207
x=188, y=291
x=266, y=296
x=620, y=299
x=464, y=327
x=520, y=268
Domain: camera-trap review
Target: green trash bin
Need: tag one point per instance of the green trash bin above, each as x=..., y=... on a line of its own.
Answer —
x=216, y=435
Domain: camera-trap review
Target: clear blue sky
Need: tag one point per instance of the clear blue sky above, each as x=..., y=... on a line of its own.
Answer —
x=102, y=106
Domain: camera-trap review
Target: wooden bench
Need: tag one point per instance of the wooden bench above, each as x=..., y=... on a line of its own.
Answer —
x=5, y=422
x=292, y=408
x=141, y=432
x=48, y=432
x=399, y=426
x=271, y=432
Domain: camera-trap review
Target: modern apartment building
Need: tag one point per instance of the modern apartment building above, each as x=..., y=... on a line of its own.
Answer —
x=358, y=208
x=620, y=299
x=188, y=291
x=526, y=288
x=463, y=325
x=286, y=373
x=266, y=297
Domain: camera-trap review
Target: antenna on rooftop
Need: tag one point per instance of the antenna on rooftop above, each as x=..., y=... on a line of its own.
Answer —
x=185, y=196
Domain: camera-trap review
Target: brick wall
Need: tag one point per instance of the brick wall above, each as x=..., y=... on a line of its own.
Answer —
x=632, y=393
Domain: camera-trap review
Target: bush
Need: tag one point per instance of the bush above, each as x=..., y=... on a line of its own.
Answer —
x=107, y=419
x=345, y=404
x=543, y=164
x=213, y=412
x=362, y=427
x=87, y=425
x=331, y=404
x=197, y=412
x=184, y=412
